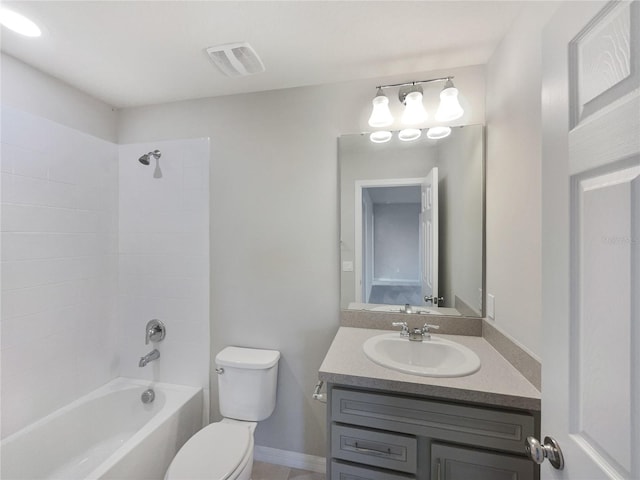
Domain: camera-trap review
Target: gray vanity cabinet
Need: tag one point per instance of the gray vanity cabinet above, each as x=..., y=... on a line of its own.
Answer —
x=378, y=435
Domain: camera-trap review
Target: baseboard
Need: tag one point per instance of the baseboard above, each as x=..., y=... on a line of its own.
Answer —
x=290, y=459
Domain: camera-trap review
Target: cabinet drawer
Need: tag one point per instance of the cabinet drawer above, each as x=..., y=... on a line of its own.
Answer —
x=343, y=471
x=380, y=449
x=475, y=426
x=449, y=462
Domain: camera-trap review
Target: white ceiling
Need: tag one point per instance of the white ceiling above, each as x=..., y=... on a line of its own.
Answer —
x=130, y=53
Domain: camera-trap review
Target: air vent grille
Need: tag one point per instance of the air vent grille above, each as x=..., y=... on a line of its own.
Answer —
x=236, y=59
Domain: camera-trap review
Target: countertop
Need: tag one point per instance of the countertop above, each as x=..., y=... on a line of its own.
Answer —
x=497, y=383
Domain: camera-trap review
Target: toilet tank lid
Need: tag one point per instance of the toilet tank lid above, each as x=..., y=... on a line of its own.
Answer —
x=252, y=358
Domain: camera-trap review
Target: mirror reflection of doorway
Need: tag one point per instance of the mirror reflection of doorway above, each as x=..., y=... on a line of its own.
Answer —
x=398, y=241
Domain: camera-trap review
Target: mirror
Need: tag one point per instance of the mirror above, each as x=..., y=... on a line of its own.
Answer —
x=412, y=223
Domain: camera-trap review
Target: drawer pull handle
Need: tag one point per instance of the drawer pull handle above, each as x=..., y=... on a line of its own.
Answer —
x=371, y=450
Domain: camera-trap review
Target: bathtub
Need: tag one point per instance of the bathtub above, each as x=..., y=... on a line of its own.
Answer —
x=108, y=433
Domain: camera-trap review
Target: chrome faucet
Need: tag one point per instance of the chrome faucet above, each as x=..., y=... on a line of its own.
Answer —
x=415, y=334
x=149, y=357
x=155, y=331
x=406, y=309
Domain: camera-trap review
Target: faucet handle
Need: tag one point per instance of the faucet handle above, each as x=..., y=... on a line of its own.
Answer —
x=405, y=328
x=155, y=331
x=426, y=327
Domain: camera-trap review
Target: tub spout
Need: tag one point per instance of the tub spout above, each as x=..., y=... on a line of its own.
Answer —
x=149, y=357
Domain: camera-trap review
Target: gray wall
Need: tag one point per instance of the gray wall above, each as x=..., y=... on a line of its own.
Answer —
x=460, y=157
x=274, y=224
x=514, y=192
x=396, y=241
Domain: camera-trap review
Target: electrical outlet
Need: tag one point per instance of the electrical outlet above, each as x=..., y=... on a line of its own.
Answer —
x=491, y=306
x=347, y=266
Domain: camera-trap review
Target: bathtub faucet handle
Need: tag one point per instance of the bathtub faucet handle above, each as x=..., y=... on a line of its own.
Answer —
x=155, y=331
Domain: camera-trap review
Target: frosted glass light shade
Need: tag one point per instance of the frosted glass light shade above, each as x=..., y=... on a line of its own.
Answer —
x=414, y=111
x=449, y=108
x=409, y=134
x=18, y=23
x=435, y=133
x=380, y=115
x=381, y=136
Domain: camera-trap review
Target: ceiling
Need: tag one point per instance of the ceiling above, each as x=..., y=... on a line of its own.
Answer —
x=131, y=53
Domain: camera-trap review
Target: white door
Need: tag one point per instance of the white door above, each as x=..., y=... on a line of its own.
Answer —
x=429, y=235
x=591, y=239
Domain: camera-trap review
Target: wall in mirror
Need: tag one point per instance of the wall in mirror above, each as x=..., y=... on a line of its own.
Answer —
x=412, y=223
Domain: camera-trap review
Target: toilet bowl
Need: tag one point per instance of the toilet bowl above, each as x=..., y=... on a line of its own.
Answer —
x=223, y=450
x=220, y=451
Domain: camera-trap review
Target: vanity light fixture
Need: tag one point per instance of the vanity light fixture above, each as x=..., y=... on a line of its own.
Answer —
x=414, y=112
x=449, y=108
x=380, y=115
x=409, y=134
x=380, y=136
x=411, y=95
x=436, y=133
x=18, y=23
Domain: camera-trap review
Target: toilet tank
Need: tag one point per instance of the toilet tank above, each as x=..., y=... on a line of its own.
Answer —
x=247, y=384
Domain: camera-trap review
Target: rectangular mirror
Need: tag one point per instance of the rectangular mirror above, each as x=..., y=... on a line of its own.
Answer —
x=412, y=223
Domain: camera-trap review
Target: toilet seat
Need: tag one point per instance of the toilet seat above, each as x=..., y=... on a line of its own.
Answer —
x=214, y=453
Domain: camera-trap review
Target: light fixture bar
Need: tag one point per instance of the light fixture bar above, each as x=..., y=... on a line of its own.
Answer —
x=407, y=84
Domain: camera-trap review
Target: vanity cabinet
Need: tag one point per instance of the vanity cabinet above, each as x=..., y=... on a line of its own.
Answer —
x=376, y=435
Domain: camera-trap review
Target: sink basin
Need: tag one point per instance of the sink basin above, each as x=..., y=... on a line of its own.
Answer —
x=435, y=357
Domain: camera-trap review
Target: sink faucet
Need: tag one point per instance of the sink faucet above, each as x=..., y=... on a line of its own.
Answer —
x=406, y=309
x=149, y=357
x=415, y=334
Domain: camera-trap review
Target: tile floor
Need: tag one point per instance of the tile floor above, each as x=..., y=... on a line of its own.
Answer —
x=268, y=471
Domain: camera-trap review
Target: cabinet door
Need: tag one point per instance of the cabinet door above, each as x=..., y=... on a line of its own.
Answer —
x=345, y=471
x=457, y=463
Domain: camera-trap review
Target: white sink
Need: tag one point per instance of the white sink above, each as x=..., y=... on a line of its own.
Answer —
x=435, y=357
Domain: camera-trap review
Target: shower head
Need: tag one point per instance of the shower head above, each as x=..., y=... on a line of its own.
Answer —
x=145, y=159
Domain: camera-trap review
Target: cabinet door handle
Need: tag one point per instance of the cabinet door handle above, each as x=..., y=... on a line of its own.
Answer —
x=438, y=470
x=371, y=450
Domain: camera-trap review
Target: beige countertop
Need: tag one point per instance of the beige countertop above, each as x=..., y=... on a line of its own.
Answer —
x=497, y=382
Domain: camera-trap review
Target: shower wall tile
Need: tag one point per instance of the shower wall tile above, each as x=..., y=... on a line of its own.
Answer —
x=59, y=266
x=163, y=258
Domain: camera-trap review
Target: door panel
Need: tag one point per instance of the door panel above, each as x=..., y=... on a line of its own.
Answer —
x=590, y=172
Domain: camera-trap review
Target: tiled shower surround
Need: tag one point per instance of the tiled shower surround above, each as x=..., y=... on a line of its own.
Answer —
x=76, y=285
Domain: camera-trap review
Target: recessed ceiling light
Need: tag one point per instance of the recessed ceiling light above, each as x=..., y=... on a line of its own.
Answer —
x=18, y=23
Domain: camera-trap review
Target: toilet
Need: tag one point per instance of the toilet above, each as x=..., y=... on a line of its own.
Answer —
x=247, y=379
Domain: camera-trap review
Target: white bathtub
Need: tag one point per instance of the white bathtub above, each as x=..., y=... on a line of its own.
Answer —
x=108, y=433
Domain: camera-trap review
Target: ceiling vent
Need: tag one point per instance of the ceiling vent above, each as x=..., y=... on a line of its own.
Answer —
x=236, y=59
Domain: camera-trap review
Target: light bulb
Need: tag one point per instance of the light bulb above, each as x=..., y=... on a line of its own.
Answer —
x=449, y=108
x=380, y=115
x=381, y=136
x=435, y=133
x=414, y=112
x=409, y=134
x=18, y=23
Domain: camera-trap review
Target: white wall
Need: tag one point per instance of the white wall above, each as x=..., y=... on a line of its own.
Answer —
x=513, y=178
x=164, y=260
x=274, y=224
x=30, y=90
x=59, y=263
